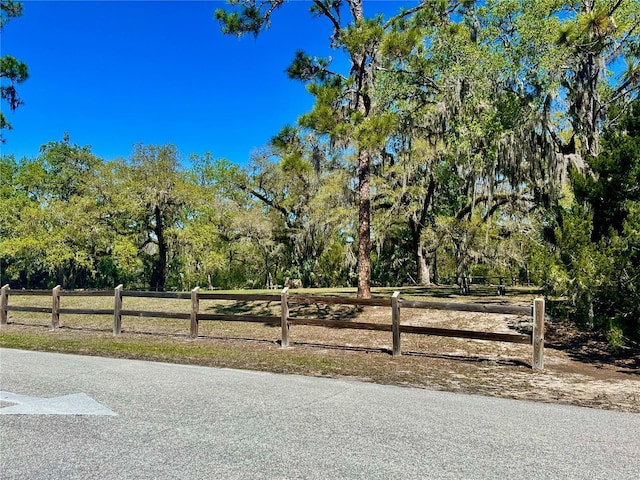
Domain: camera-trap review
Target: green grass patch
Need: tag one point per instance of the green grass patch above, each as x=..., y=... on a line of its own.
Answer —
x=221, y=354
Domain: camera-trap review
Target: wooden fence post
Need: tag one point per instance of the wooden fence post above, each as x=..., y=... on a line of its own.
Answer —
x=55, y=307
x=395, y=323
x=284, y=317
x=4, y=301
x=538, y=334
x=195, y=306
x=117, y=307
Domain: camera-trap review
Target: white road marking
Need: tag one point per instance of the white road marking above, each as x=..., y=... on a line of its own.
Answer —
x=74, y=404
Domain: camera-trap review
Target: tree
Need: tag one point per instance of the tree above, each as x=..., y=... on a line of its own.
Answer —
x=20, y=250
x=52, y=230
x=460, y=157
x=598, y=34
x=614, y=185
x=150, y=202
x=11, y=69
x=227, y=240
x=567, y=55
x=345, y=109
x=305, y=194
x=596, y=252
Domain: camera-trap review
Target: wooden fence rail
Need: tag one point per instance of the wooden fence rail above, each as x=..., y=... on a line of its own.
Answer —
x=467, y=307
x=536, y=311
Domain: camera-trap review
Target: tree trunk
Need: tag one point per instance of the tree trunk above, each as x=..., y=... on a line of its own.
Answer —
x=267, y=274
x=586, y=105
x=421, y=257
x=364, y=225
x=435, y=267
x=462, y=276
x=159, y=270
x=424, y=269
x=364, y=82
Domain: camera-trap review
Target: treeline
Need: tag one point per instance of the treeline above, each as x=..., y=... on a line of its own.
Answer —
x=494, y=139
x=158, y=221
x=154, y=221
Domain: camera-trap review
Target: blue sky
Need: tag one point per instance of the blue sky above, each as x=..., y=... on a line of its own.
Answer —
x=116, y=73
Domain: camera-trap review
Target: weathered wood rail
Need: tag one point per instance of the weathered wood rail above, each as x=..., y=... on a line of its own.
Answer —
x=285, y=320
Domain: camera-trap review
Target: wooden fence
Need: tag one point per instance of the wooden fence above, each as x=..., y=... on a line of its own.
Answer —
x=536, y=311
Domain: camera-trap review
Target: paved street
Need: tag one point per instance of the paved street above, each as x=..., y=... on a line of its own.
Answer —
x=73, y=417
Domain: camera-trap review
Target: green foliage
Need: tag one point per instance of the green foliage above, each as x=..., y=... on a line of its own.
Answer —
x=157, y=196
x=308, y=68
x=372, y=133
x=304, y=193
x=598, y=238
x=363, y=35
x=11, y=70
x=345, y=109
x=401, y=43
x=52, y=231
x=69, y=218
x=250, y=17
x=68, y=169
x=333, y=267
x=9, y=9
x=614, y=186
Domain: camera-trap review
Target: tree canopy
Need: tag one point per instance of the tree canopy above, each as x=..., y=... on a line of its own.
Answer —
x=12, y=71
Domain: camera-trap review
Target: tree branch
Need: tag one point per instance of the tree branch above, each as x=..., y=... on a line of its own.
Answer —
x=327, y=13
x=403, y=14
x=427, y=199
x=267, y=201
x=426, y=80
x=502, y=200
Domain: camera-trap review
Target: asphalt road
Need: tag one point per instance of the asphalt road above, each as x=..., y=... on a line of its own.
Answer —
x=158, y=421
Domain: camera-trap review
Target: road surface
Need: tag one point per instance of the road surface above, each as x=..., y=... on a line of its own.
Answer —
x=74, y=417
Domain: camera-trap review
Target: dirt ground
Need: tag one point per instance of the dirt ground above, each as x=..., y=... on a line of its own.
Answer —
x=579, y=367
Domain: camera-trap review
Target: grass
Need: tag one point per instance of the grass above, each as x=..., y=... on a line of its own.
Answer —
x=251, y=345
x=469, y=366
